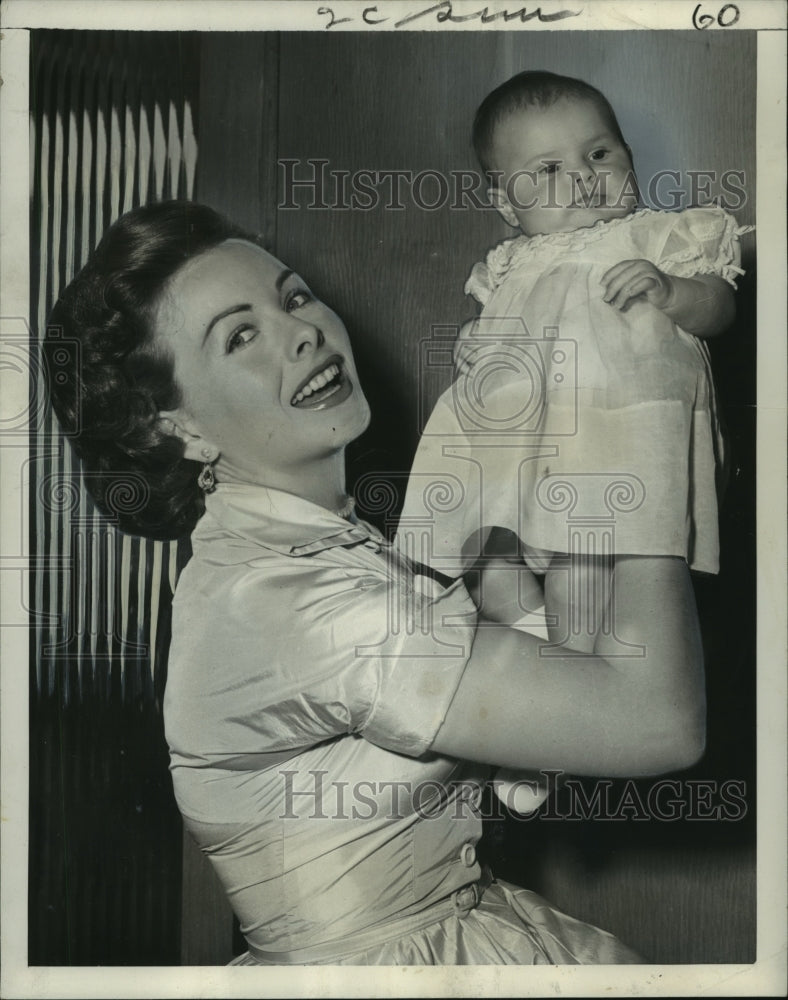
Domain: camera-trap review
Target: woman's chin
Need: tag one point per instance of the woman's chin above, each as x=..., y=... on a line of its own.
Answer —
x=345, y=410
x=362, y=417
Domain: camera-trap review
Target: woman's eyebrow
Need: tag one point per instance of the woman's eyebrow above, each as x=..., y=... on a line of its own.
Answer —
x=241, y=307
x=282, y=277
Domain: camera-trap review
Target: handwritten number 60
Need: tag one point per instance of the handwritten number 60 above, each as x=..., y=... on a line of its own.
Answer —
x=728, y=15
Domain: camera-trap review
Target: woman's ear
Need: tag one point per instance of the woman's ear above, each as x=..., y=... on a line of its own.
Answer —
x=195, y=447
x=504, y=207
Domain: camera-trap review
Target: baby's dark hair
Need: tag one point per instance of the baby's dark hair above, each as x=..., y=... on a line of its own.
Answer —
x=531, y=88
x=109, y=378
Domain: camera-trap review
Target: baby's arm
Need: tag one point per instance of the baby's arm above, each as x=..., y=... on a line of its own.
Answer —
x=702, y=305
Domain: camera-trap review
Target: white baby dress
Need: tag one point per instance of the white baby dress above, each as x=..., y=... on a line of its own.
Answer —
x=579, y=426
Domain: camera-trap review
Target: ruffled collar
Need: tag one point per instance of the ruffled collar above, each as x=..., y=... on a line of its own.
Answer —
x=486, y=275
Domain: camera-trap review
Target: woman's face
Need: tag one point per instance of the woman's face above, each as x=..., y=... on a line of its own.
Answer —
x=266, y=371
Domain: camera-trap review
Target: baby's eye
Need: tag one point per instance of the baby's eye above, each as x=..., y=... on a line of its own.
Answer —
x=240, y=337
x=599, y=154
x=297, y=298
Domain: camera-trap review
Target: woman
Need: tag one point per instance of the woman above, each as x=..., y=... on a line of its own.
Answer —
x=332, y=715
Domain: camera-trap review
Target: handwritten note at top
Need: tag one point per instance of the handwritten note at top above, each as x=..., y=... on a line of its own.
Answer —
x=442, y=12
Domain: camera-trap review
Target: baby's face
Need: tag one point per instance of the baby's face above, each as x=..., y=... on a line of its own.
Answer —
x=563, y=168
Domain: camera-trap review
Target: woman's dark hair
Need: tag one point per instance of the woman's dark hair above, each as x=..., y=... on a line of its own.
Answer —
x=531, y=88
x=109, y=377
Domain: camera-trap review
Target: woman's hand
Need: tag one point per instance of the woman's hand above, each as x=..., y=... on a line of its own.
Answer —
x=466, y=348
x=702, y=305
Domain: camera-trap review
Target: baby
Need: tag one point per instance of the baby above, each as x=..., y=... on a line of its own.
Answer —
x=583, y=422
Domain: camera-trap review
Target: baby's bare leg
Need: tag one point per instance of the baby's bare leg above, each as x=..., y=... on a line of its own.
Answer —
x=501, y=584
x=577, y=593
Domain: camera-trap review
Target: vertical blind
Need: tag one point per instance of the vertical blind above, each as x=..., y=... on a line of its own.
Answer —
x=112, y=126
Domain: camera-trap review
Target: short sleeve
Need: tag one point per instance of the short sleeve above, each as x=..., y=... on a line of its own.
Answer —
x=487, y=274
x=415, y=664
x=341, y=643
x=400, y=657
x=479, y=284
x=703, y=241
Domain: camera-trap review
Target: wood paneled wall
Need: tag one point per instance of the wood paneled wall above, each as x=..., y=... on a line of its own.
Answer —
x=405, y=102
x=686, y=101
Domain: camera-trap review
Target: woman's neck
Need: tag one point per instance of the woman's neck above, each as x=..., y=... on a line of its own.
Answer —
x=322, y=481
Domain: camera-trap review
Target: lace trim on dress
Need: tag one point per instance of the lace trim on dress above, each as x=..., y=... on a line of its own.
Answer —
x=488, y=274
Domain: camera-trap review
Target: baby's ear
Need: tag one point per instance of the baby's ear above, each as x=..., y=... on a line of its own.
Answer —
x=503, y=206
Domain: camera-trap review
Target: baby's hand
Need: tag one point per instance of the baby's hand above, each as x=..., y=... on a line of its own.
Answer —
x=632, y=279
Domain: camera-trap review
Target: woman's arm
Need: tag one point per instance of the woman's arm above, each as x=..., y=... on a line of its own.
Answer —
x=702, y=305
x=602, y=714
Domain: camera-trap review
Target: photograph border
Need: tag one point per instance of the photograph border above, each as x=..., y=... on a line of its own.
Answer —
x=767, y=975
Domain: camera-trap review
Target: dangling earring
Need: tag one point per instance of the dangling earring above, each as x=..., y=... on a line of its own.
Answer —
x=206, y=479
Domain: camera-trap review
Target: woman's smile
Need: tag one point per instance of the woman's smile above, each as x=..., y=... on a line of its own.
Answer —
x=327, y=385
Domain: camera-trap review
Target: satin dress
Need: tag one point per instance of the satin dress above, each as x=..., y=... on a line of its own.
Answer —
x=310, y=669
